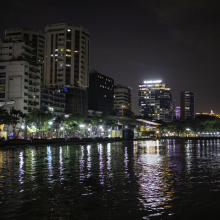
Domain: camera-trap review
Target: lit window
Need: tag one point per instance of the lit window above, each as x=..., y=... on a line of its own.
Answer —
x=2, y=88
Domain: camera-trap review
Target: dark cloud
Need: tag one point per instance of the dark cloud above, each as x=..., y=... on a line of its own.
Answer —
x=192, y=22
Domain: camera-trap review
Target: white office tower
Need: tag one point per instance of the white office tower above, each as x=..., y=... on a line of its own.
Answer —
x=66, y=56
x=19, y=75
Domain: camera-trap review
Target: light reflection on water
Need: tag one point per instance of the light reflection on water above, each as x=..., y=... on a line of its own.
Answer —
x=124, y=180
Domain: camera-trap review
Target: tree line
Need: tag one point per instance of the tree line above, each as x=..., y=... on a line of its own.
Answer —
x=201, y=123
x=43, y=120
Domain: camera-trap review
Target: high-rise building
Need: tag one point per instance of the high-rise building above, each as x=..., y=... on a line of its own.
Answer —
x=187, y=104
x=36, y=38
x=155, y=101
x=177, y=112
x=66, y=56
x=101, y=93
x=122, y=99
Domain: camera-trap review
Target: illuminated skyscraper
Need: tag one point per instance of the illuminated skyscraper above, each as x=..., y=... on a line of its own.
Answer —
x=66, y=56
x=187, y=104
x=155, y=101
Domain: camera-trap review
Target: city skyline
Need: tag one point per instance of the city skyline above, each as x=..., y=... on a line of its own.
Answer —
x=133, y=41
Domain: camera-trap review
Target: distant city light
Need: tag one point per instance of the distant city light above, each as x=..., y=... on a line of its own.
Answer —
x=154, y=81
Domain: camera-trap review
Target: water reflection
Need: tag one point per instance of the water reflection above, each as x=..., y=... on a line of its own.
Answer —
x=61, y=165
x=155, y=179
x=49, y=164
x=132, y=180
x=21, y=168
x=89, y=161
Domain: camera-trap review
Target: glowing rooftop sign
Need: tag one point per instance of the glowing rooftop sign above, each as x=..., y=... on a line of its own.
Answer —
x=155, y=81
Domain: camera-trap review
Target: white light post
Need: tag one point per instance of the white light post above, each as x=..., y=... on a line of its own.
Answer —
x=82, y=126
x=89, y=129
x=100, y=130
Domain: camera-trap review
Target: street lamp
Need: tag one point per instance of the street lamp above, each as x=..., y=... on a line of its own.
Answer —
x=100, y=131
x=188, y=129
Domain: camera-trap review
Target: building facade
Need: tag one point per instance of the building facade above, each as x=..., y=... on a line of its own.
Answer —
x=16, y=50
x=36, y=38
x=122, y=99
x=101, y=93
x=20, y=82
x=187, y=104
x=155, y=101
x=76, y=100
x=177, y=112
x=66, y=56
x=54, y=100
x=19, y=75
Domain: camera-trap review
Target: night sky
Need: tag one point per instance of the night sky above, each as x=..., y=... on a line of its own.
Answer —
x=177, y=41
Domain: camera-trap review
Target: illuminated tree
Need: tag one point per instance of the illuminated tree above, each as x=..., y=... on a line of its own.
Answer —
x=38, y=117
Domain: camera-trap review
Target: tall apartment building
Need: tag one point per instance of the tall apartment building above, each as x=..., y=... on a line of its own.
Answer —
x=187, y=104
x=101, y=93
x=122, y=99
x=66, y=56
x=19, y=75
x=155, y=100
x=36, y=38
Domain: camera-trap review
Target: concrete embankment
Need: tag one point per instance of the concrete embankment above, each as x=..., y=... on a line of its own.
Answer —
x=16, y=142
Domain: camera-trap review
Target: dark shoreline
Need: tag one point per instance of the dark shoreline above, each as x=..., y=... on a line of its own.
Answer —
x=189, y=138
x=17, y=142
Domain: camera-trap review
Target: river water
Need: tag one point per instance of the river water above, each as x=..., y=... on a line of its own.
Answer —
x=166, y=179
